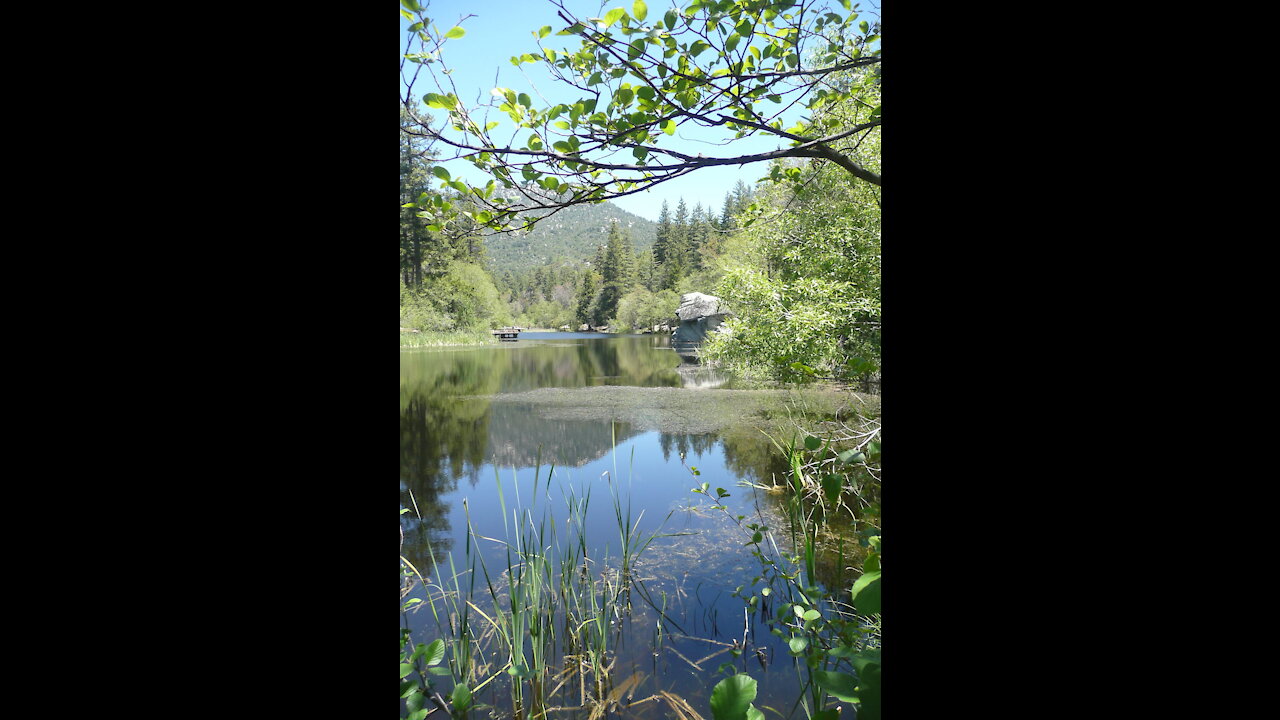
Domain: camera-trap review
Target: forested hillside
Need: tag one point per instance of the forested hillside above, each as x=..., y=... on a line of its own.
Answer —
x=572, y=235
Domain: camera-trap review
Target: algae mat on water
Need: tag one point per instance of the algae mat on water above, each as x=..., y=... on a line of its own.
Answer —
x=684, y=411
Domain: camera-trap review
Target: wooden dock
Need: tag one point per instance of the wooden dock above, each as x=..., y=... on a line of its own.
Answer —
x=508, y=334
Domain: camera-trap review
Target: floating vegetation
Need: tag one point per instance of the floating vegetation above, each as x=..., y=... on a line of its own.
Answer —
x=676, y=410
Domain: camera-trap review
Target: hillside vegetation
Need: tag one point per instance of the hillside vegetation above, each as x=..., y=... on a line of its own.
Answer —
x=572, y=234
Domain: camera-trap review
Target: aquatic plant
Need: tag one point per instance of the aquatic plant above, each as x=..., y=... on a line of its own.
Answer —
x=553, y=612
x=835, y=642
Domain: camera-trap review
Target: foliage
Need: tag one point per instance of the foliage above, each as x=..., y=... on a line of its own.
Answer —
x=463, y=298
x=834, y=635
x=731, y=699
x=803, y=276
x=642, y=309
x=733, y=66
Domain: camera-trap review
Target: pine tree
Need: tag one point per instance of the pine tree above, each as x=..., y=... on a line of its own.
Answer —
x=699, y=228
x=662, y=235
x=617, y=271
x=587, y=299
x=676, y=263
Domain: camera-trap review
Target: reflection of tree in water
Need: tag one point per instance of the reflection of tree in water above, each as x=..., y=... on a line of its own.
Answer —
x=518, y=430
x=750, y=455
x=447, y=432
x=683, y=444
x=440, y=436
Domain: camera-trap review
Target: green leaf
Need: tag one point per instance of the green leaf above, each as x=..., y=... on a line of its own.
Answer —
x=670, y=19
x=415, y=700
x=545, y=31
x=669, y=127
x=461, y=697
x=613, y=16
x=866, y=593
x=831, y=486
x=434, y=653
x=812, y=443
x=441, y=173
x=753, y=713
x=455, y=33
x=732, y=696
x=869, y=693
x=842, y=685
x=852, y=457
x=639, y=10
x=798, y=644
x=405, y=669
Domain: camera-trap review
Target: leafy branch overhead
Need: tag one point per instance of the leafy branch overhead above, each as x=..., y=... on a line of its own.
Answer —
x=734, y=67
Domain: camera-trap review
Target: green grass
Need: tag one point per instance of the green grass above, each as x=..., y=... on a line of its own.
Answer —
x=446, y=339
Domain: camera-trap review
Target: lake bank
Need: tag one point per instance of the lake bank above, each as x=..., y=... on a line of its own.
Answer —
x=420, y=339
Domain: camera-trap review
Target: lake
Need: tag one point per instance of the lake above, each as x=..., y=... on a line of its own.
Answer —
x=533, y=470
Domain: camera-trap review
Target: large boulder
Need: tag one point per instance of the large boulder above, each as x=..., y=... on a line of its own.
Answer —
x=697, y=315
x=696, y=305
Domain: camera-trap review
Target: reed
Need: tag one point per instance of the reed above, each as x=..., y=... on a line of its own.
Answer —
x=546, y=623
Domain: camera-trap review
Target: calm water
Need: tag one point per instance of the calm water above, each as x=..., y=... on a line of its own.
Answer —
x=601, y=413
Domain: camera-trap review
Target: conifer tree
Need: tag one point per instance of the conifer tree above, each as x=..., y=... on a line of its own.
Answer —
x=662, y=235
x=617, y=270
x=676, y=263
x=585, y=312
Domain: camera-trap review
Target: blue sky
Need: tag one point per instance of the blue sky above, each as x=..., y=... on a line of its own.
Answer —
x=499, y=29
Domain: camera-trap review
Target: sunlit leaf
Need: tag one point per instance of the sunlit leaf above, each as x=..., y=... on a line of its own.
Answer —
x=866, y=593
x=434, y=653
x=455, y=33
x=732, y=696
x=613, y=16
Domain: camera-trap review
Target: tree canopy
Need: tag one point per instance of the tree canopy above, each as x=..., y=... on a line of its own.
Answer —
x=740, y=67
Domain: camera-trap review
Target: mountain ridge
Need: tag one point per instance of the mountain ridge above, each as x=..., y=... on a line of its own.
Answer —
x=572, y=234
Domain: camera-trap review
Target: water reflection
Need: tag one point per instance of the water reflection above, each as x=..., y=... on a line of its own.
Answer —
x=449, y=430
x=602, y=410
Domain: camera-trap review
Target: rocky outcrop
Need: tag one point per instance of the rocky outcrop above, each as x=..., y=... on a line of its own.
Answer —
x=697, y=315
